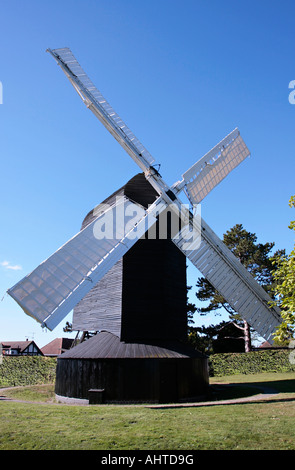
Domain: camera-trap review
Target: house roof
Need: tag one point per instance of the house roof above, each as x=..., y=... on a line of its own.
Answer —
x=21, y=345
x=267, y=345
x=57, y=346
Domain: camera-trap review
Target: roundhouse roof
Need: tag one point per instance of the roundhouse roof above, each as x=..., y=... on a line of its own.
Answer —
x=107, y=345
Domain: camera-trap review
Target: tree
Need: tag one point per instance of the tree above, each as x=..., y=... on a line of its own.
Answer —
x=284, y=290
x=229, y=338
x=190, y=308
x=202, y=337
x=256, y=258
x=222, y=337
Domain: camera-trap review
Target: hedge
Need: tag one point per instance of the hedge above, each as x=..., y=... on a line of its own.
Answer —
x=26, y=370
x=32, y=370
x=250, y=363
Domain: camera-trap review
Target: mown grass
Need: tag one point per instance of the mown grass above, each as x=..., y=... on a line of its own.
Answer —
x=254, y=425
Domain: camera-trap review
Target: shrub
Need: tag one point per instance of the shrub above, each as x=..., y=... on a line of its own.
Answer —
x=34, y=370
x=27, y=370
x=250, y=363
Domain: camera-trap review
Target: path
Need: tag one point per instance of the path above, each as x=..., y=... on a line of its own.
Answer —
x=265, y=395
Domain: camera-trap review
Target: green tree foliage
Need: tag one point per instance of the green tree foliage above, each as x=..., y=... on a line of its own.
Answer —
x=284, y=289
x=201, y=337
x=207, y=338
x=190, y=308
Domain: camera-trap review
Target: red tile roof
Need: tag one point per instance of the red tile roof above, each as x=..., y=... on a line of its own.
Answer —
x=57, y=346
x=21, y=345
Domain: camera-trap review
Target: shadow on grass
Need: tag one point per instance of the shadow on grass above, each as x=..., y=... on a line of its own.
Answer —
x=280, y=386
x=239, y=393
x=220, y=391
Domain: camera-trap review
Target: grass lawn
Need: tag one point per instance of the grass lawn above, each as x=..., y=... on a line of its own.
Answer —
x=256, y=425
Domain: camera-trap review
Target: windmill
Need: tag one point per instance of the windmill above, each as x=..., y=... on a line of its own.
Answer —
x=117, y=226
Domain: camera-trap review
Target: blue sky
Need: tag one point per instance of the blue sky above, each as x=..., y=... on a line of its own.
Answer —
x=182, y=75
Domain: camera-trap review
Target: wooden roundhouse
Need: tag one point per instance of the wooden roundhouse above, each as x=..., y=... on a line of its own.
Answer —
x=138, y=310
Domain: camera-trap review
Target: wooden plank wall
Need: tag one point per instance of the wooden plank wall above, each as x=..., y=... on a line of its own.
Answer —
x=154, y=292
x=133, y=380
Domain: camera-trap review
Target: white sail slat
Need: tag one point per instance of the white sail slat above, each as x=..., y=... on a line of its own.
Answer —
x=211, y=169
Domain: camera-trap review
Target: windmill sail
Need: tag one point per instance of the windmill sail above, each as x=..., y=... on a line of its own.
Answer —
x=232, y=280
x=211, y=169
x=50, y=292
x=101, y=108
